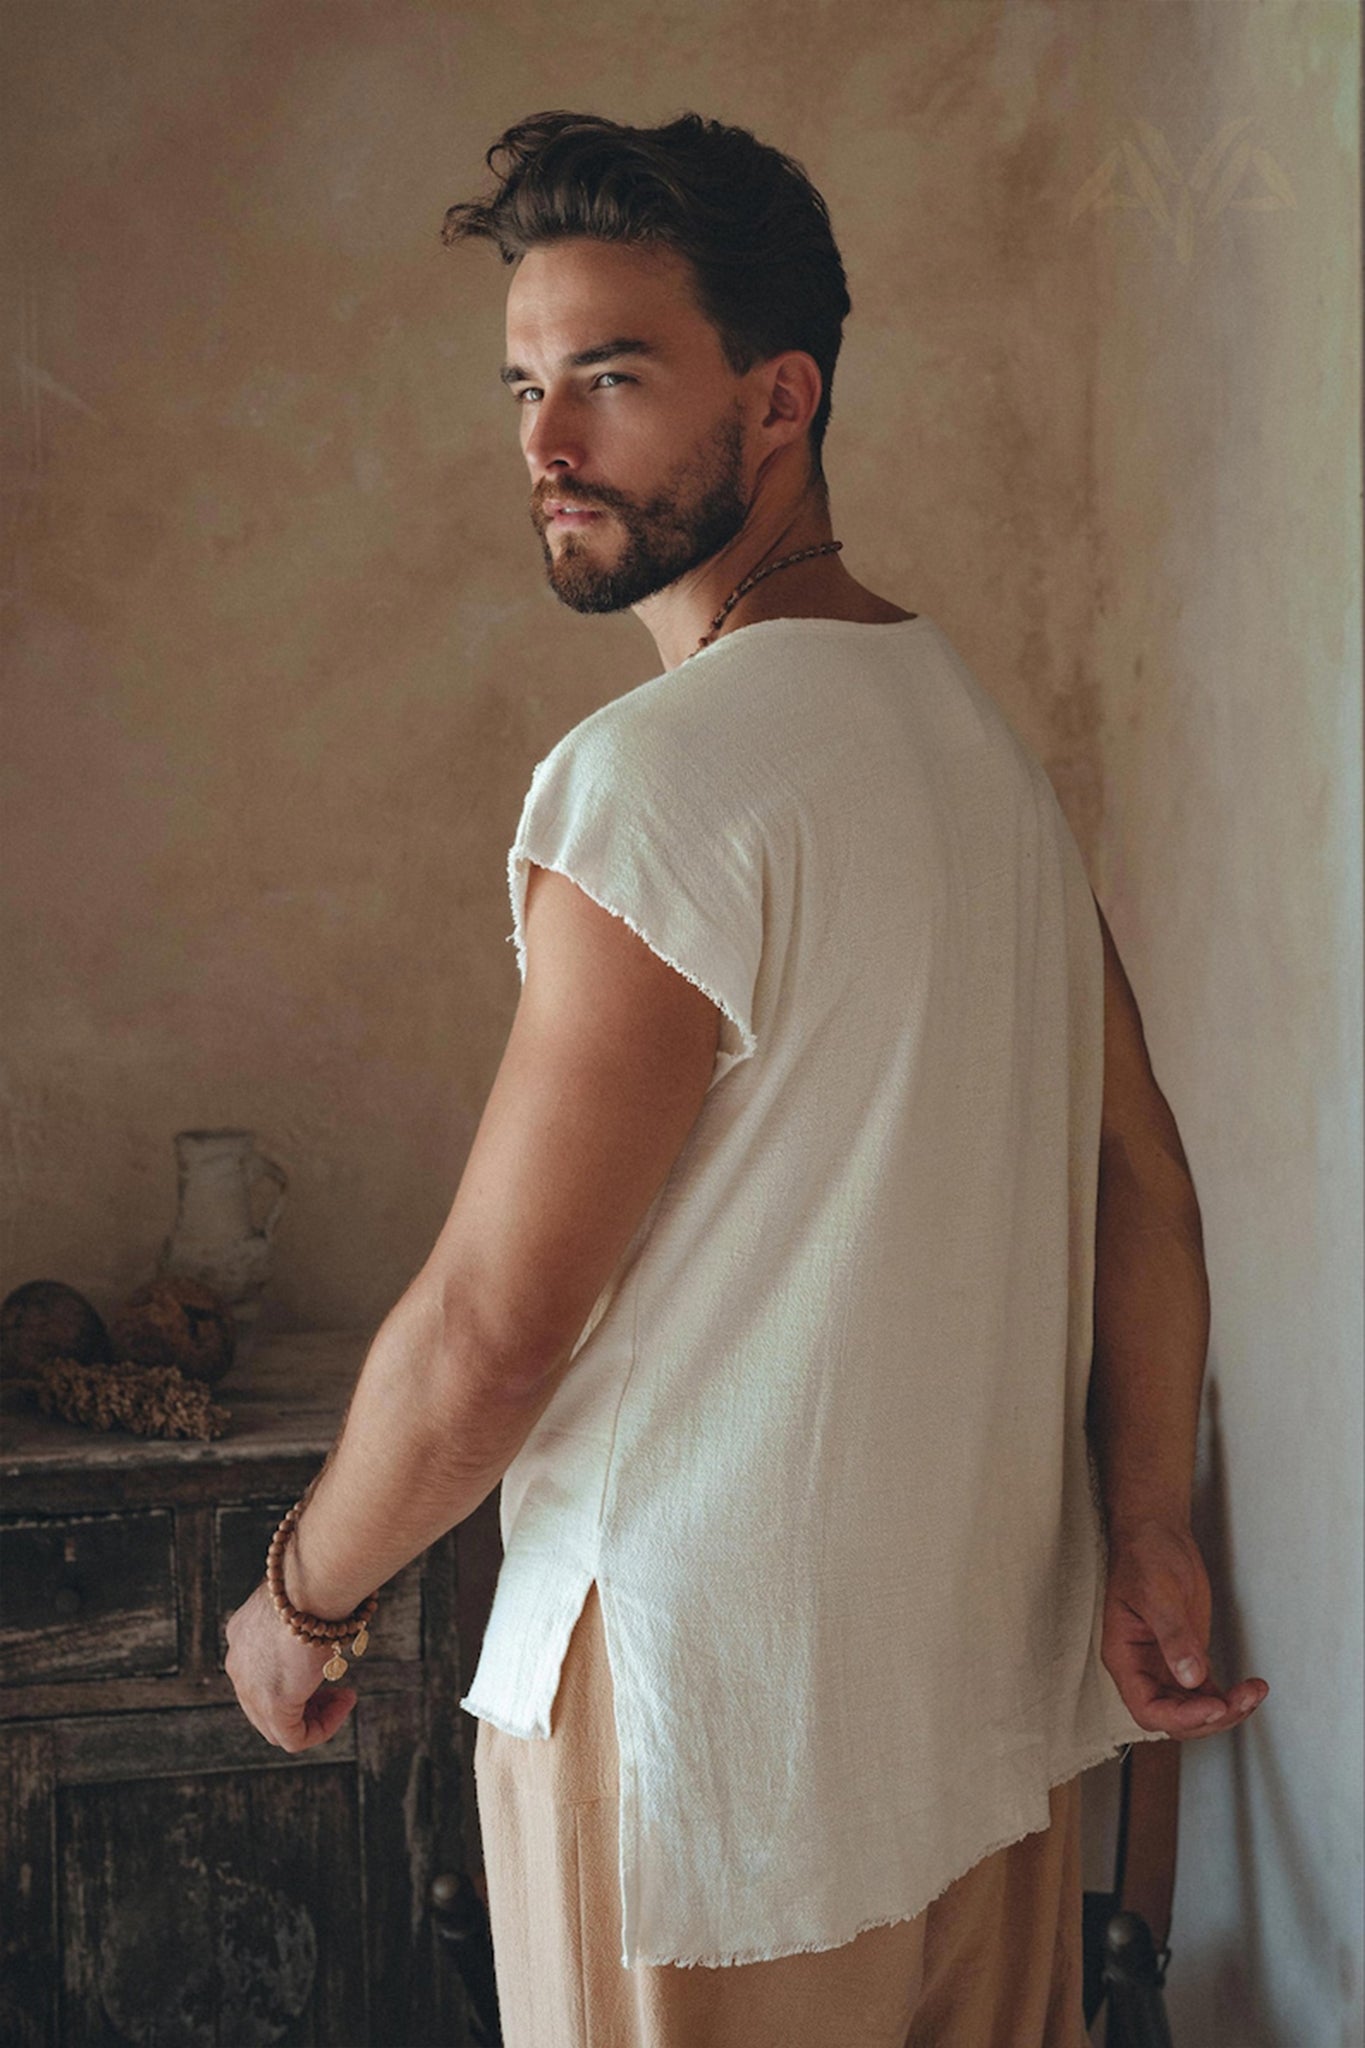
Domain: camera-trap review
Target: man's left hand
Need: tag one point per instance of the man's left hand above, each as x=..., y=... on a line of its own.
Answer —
x=1157, y=1614
x=278, y=1678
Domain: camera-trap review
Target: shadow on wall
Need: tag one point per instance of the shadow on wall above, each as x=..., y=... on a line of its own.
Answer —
x=1227, y=1975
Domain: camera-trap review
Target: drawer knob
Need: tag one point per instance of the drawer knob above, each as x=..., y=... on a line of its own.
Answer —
x=459, y=1911
x=66, y=1601
x=445, y=1891
x=462, y=1922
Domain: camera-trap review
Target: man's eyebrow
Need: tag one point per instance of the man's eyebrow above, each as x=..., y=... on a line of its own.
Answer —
x=512, y=373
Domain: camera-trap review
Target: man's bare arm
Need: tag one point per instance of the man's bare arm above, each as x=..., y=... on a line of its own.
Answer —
x=605, y=1071
x=1151, y=1343
x=1151, y=1283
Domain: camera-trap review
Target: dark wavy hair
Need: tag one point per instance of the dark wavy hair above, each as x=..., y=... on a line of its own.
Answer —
x=767, y=273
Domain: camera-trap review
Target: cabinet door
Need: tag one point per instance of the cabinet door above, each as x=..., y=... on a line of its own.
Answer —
x=212, y=1890
x=28, y=1919
x=215, y=1909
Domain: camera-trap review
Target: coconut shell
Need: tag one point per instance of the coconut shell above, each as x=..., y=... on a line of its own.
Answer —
x=46, y=1319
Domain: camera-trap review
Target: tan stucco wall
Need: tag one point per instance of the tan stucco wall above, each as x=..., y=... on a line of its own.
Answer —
x=281, y=651
x=279, y=658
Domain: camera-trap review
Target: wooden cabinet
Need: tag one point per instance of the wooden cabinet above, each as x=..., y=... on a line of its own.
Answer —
x=170, y=1878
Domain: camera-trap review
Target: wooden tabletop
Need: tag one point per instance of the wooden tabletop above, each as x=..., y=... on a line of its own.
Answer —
x=286, y=1399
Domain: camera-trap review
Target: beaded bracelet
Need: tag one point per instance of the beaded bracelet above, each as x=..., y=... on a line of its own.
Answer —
x=312, y=1627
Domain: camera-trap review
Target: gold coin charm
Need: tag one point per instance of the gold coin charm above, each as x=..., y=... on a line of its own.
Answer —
x=361, y=1643
x=335, y=1665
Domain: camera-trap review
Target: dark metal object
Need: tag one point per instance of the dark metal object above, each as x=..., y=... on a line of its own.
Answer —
x=1122, y=1929
x=1134, y=1974
x=461, y=1919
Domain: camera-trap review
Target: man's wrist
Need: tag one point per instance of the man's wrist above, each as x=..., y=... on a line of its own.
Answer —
x=308, y=1588
x=1145, y=1485
x=1125, y=1522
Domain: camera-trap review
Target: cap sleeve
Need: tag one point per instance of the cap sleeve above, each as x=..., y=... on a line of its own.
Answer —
x=651, y=837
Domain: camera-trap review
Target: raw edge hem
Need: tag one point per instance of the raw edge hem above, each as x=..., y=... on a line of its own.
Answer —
x=741, y=1956
x=482, y=1714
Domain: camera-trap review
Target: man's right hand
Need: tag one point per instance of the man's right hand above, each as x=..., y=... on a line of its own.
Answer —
x=1157, y=1614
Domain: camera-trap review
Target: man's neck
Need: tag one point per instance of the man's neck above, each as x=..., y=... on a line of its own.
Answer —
x=818, y=588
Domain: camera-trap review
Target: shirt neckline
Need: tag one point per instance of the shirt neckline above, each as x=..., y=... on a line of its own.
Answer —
x=850, y=625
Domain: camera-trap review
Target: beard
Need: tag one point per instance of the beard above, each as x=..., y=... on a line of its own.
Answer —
x=702, y=509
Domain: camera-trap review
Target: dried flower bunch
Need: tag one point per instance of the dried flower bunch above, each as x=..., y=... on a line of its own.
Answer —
x=150, y=1400
x=150, y=1372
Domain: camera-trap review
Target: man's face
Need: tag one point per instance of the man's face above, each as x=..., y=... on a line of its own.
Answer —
x=650, y=440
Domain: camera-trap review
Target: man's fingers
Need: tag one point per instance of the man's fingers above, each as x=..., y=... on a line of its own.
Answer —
x=1181, y=1648
x=1155, y=1706
x=1163, y=1612
x=277, y=1679
x=1139, y=1670
x=257, y=1723
x=294, y=1728
x=325, y=1711
x=1155, y=1639
x=317, y=1720
x=1188, y=1715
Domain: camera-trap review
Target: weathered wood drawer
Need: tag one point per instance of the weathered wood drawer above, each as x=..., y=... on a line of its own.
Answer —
x=87, y=1596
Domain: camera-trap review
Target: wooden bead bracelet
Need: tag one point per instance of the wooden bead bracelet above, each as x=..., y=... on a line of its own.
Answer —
x=312, y=1627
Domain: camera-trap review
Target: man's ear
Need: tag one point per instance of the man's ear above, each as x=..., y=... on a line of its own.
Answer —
x=794, y=387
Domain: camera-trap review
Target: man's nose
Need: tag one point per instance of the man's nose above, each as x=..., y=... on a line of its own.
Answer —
x=554, y=437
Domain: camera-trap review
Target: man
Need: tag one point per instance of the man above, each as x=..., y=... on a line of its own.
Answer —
x=772, y=1282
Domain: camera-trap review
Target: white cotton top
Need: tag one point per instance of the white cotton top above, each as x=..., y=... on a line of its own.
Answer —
x=821, y=1443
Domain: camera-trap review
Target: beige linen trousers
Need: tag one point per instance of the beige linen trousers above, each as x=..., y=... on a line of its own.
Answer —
x=994, y=1962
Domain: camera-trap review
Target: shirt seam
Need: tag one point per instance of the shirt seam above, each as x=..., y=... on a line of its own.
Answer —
x=630, y=1369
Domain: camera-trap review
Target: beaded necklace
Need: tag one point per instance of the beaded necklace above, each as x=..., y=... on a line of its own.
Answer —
x=827, y=547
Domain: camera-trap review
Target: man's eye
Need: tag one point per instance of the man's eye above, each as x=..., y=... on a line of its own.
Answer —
x=520, y=397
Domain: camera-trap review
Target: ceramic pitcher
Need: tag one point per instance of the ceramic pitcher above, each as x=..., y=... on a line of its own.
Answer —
x=217, y=1236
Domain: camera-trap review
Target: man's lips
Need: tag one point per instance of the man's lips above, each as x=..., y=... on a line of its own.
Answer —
x=559, y=515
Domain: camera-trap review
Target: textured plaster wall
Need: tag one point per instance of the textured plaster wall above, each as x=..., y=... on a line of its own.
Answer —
x=279, y=650
x=1226, y=651
x=279, y=658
